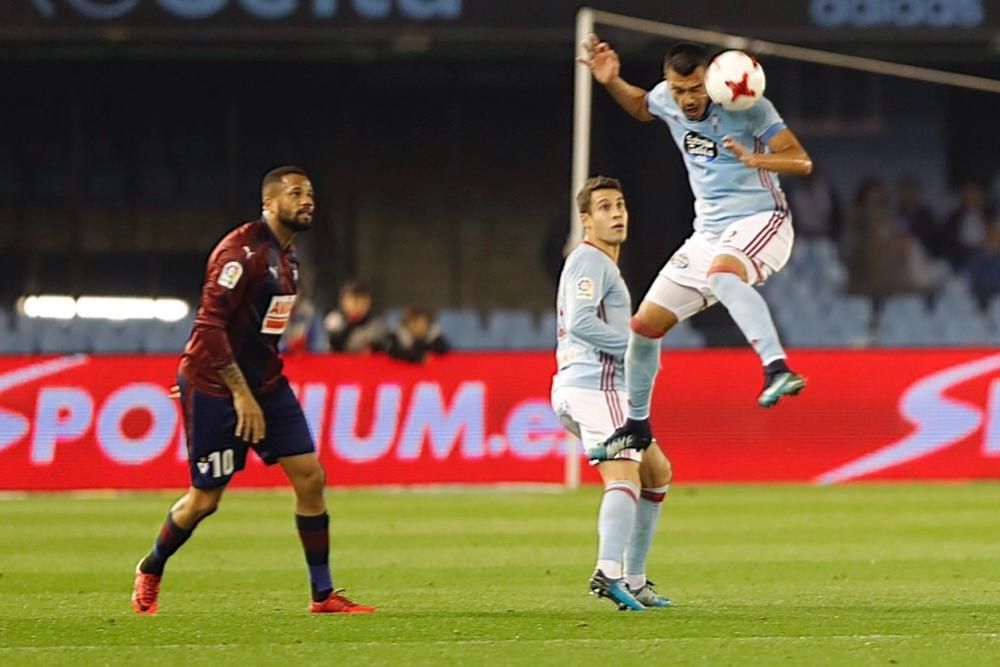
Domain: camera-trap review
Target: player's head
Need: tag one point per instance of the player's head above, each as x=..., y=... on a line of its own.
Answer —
x=602, y=210
x=684, y=69
x=287, y=195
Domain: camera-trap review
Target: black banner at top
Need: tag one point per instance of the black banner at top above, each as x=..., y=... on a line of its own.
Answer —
x=809, y=19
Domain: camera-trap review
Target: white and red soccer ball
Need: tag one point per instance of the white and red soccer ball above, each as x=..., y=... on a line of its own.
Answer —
x=735, y=80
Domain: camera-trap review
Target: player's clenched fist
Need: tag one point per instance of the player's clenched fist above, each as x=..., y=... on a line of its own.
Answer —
x=601, y=59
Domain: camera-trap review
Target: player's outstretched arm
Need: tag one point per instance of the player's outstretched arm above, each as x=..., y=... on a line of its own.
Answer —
x=606, y=67
x=787, y=155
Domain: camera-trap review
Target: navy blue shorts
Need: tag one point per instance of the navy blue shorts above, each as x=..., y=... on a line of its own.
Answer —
x=215, y=453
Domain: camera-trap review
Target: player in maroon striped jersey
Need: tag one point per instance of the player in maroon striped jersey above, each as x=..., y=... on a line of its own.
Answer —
x=234, y=395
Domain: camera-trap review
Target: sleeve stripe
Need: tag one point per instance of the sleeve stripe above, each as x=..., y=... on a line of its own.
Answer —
x=771, y=130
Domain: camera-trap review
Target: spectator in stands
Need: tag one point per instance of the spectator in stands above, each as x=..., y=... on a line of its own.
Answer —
x=878, y=251
x=296, y=339
x=815, y=206
x=916, y=217
x=353, y=327
x=968, y=224
x=416, y=336
x=983, y=266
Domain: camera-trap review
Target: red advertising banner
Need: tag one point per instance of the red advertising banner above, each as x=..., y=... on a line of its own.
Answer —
x=84, y=422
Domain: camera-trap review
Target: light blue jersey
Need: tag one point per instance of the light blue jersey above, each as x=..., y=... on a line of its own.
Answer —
x=725, y=189
x=593, y=312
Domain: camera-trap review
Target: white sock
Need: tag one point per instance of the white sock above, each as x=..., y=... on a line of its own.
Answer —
x=749, y=310
x=614, y=525
x=641, y=540
x=611, y=568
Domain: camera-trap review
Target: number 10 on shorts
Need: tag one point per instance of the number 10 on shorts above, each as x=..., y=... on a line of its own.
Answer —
x=222, y=463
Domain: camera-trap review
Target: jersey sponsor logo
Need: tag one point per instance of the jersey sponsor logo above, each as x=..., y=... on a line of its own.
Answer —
x=277, y=315
x=230, y=274
x=585, y=288
x=680, y=260
x=700, y=147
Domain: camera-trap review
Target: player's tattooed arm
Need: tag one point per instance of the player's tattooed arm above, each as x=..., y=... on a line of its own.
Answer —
x=606, y=67
x=249, y=417
x=787, y=155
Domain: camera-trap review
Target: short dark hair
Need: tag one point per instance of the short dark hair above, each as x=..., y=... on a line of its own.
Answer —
x=411, y=313
x=355, y=288
x=590, y=185
x=275, y=175
x=685, y=58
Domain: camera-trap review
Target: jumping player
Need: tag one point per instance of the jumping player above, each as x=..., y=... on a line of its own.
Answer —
x=593, y=309
x=742, y=226
x=235, y=397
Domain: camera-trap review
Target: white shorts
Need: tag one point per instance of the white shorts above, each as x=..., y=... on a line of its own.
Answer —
x=592, y=415
x=762, y=242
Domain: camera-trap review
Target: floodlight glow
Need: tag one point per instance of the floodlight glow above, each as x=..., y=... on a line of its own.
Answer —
x=104, y=307
x=49, y=305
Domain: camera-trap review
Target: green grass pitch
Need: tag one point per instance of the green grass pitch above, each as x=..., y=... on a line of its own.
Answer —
x=859, y=575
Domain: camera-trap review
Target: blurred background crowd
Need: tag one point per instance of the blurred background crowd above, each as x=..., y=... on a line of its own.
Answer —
x=439, y=145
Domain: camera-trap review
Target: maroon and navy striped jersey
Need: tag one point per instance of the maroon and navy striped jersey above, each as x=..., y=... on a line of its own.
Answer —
x=246, y=303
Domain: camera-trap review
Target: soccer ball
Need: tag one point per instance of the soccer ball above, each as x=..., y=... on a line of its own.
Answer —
x=734, y=80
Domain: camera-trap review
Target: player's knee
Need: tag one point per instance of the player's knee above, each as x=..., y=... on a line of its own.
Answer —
x=728, y=265
x=663, y=474
x=645, y=328
x=203, y=505
x=657, y=473
x=313, y=481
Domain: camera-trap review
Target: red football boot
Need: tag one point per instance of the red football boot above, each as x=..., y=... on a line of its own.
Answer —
x=145, y=592
x=337, y=603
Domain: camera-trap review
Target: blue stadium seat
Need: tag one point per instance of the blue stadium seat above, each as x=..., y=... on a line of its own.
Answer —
x=909, y=307
x=509, y=330
x=392, y=316
x=64, y=336
x=17, y=336
x=167, y=337
x=904, y=322
x=111, y=337
x=547, y=330
x=317, y=339
x=462, y=328
x=683, y=336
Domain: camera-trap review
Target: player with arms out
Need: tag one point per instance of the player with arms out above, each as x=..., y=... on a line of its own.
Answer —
x=593, y=310
x=234, y=395
x=742, y=226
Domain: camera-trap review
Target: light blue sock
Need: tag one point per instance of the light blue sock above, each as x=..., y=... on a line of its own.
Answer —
x=646, y=516
x=642, y=362
x=614, y=525
x=749, y=310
